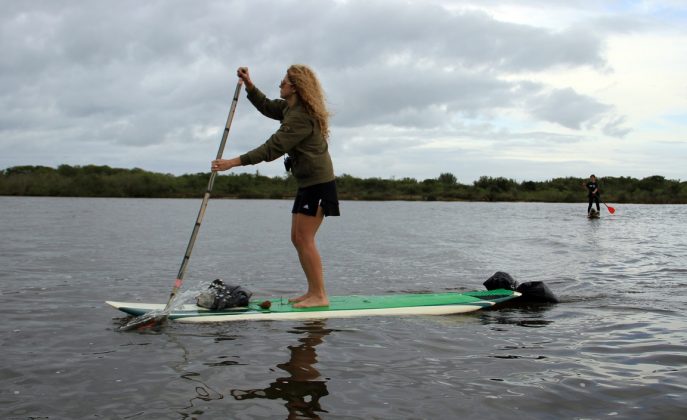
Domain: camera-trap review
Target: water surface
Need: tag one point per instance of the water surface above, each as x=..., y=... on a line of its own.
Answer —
x=616, y=346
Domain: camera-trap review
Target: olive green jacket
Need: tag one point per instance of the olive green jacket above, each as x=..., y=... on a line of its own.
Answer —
x=299, y=136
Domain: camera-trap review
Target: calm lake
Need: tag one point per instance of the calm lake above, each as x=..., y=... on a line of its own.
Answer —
x=615, y=347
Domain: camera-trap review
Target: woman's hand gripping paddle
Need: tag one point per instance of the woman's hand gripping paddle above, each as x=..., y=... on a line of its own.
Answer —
x=154, y=318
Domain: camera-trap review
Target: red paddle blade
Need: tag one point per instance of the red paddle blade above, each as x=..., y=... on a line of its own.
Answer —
x=611, y=210
x=146, y=321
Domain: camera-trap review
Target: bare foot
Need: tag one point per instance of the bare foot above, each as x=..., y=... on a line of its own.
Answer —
x=312, y=302
x=299, y=298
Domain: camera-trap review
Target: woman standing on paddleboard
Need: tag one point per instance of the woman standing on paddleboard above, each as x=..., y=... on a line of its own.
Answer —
x=592, y=193
x=302, y=136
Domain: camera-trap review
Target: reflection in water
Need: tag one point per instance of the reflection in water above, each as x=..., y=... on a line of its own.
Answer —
x=203, y=391
x=524, y=315
x=304, y=387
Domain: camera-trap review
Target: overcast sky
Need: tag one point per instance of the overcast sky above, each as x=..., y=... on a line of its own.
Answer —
x=526, y=89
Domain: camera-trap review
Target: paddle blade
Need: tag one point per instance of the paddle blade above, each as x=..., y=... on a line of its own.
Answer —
x=146, y=321
x=611, y=210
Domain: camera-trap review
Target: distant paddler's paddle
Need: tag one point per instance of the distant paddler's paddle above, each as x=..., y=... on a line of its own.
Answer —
x=157, y=317
x=610, y=209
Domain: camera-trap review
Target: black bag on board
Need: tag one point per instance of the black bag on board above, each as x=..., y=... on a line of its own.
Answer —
x=501, y=280
x=532, y=291
x=221, y=296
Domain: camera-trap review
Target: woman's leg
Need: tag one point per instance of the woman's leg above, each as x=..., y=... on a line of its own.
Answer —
x=303, y=231
x=589, y=207
x=596, y=200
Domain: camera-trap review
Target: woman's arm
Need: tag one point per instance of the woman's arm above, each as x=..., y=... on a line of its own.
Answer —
x=271, y=108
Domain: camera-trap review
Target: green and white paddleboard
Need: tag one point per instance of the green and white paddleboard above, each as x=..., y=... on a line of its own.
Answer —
x=339, y=307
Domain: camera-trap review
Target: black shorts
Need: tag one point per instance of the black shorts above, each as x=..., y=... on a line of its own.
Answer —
x=309, y=199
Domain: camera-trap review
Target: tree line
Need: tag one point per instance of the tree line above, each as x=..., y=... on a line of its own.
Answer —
x=104, y=181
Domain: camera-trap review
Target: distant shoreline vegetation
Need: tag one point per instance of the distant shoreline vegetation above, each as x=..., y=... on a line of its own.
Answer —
x=104, y=181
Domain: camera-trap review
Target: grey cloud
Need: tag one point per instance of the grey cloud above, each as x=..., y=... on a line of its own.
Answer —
x=145, y=74
x=358, y=32
x=151, y=57
x=567, y=108
x=614, y=127
x=405, y=97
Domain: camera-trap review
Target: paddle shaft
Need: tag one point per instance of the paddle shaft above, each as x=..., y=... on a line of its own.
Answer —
x=201, y=213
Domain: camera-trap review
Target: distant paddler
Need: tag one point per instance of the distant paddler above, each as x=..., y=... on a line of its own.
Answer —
x=593, y=194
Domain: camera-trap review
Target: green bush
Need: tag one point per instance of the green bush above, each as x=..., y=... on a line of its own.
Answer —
x=104, y=181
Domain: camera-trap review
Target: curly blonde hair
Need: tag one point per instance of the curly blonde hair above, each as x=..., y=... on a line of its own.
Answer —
x=312, y=96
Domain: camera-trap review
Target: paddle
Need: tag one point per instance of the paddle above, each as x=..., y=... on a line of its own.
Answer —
x=610, y=209
x=157, y=317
